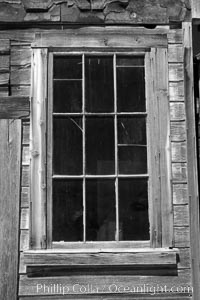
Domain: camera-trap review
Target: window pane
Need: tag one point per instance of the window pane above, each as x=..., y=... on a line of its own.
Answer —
x=100, y=157
x=67, y=146
x=133, y=209
x=132, y=159
x=67, y=67
x=99, y=93
x=130, y=61
x=100, y=210
x=132, y=130
x=67, y=96
x=130, y=89
x=67, y=210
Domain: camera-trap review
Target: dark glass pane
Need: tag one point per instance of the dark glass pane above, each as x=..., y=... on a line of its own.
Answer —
x=132, y=159
x=100, y=208
x=133, y=209
x=67, y=210
x=67, y=146
x=100, y=157
x=99, y=87
x=130, y=61
x=67, y=67
x=67, y=96
x=132, y=130
x=130, y=89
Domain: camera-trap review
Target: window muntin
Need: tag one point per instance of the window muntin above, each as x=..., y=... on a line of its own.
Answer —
x=97, y=149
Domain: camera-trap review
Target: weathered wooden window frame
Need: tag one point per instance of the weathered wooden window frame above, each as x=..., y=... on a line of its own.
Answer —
x=158, y=130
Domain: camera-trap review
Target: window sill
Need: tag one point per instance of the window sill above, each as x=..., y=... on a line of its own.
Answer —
x=103, y=257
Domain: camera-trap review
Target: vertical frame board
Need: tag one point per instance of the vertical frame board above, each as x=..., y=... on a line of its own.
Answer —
x=192, y=159
x=195, y=9
x=10, y=158
x=153, y=141
x=159, y=140
x=164, y=141
x=38, y=148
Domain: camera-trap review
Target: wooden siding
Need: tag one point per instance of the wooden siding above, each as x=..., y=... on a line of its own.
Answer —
x=10, y=158
x=21, y=41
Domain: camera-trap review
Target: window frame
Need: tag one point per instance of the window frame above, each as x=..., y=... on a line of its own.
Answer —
x=160, y=204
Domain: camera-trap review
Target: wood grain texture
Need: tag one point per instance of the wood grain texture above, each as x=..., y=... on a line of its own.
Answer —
x=192, y=159
x=20, y=75
x=25, y=176
x=24, y=218
x=14, y=107
x=179, y=171
x=149, y=257
x=176, y=91
x=176, y=72
x=20, y=55
x=181, y=215
x=175, y=53
x=178, y=131
x=4, y=63
x=101, y=38
x=4, y=46
x=179, y=151
x=10, y=156
x=38, y=148
x=4, y=79
x=25, y=197
x=24, y=239
x=195, y=9
x=28, y=286
x=177, y=111
x=184, y=258
x=20, y=90
x=182, y=237
x=180, y=194
x=153, y=150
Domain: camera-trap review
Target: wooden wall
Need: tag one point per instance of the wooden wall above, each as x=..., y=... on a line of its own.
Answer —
x=16, y=77
x=96, y=11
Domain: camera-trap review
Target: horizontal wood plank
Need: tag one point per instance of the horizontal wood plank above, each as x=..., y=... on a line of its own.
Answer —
x=181, y=215
x=177, y=111
x=184, y=258
x=101, y=37
x=4, y=46
x=25, y=176
x=25, y=197
x=179, y=171
x=25, y=155
x=149, y=257
x=176, y=72
x=4, y=78
x=20, y=75
x=179, y=151
x=26, y=132
x=175, y=36
x=12, y=107
x=176, y=91
x=3, y=91
x=4, y=63
x=175, y=53
x=24, y=239
x=180, y=194
x=181, y=237
x=20, y=55
x=20, y=90
x=178, y=131
x=24, y=218
x=29, y=286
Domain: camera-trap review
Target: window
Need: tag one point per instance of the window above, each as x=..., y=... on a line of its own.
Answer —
x=99, y=154
x=100, y=173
